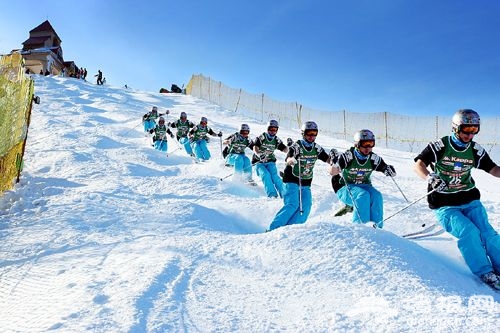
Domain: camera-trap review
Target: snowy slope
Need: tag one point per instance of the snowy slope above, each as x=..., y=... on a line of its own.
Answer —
x=106, y=234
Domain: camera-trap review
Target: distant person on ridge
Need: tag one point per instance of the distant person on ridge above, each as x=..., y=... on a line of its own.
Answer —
x=183, y=125
x=455, y=197
x=265, y=160
x=198, y=136
x=99, y=77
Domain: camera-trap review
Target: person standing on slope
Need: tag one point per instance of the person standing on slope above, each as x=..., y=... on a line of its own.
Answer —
x=237, y=142
x=265, y=160
x=354, y=185
x=455, y=198
x=198, y=136
x=297, y=178
x=183, y=125
x=160, y=135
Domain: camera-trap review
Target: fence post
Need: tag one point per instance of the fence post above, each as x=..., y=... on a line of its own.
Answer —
x=345, y=124
x=386, y=130
x=262, y=108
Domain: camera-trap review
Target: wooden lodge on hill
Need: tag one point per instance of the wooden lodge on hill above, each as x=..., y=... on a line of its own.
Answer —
x=42, y=52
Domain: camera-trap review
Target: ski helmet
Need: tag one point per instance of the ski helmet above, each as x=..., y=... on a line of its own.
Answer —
x=363, y=135
x=154, y=109
x=183, y=114
x=161, y=120
x=203, y=120
x=244, y=127
x=272, y=123
x=465, y=117
x=309, y=126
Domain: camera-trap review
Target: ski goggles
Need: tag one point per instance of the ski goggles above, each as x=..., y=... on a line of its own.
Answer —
x=469, y=129
x=272, y=129
x=244, y=132
x=204, y=123
x=311, y=134
x=367, y=144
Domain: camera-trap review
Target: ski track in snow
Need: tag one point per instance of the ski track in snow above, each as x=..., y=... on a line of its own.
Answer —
x=106, y=234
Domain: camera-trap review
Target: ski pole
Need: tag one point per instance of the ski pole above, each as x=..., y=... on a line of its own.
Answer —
x=130, y=130
x=399, y=188
x=410, y=204
x=221, y=150
x=300, y=190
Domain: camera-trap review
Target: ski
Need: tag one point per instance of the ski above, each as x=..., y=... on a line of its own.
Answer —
x=423, y=231
x=420, y=236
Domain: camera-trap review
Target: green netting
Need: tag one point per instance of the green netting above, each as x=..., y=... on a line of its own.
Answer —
x=16, y=94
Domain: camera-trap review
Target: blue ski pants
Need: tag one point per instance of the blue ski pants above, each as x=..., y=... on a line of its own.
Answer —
x=268, y=173
x=201, y=150
x=184, y=141
x=242, y=166
x=478, y=242
x=149, y=125
x=368, y=203
x=290, y=212
x=161, y=145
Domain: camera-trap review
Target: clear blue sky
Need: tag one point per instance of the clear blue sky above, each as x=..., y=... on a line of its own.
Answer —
x=401, y=56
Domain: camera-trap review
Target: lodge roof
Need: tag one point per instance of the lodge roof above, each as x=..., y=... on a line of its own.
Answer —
x=45, y=26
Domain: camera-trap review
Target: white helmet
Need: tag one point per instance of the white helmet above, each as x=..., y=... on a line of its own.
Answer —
x=465, y=117
x=363, y=135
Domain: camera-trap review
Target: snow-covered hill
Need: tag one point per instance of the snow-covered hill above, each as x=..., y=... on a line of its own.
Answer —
x=106, y=234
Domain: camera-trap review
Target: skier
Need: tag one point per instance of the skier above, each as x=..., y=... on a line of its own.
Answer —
x=236, y=143
x=355, y=188
x=160, y=135
x=198, y=136
x=99, y=77
x=183, y=125
x=297, y=177
x=455, y=197
x=265, y=160
x=149, y=119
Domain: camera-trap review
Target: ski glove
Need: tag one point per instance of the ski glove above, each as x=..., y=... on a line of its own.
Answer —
x=436, y=183
x=291, y=161
x=219, y=134
x=289, y=142
x=390, y=171
x=172, y=135
x=334, y=156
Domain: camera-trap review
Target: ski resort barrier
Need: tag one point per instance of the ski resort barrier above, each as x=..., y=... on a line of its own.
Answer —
x=401, y=132
x=16, y=97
